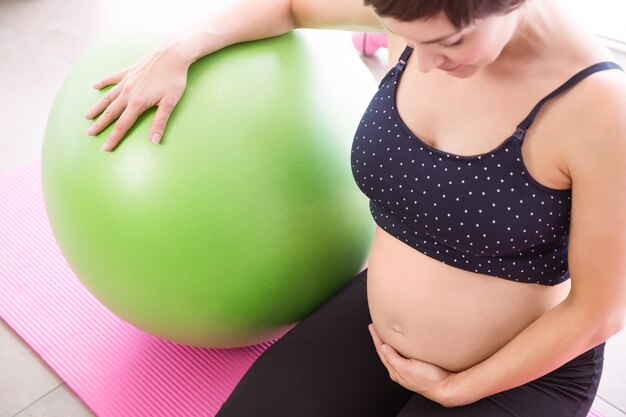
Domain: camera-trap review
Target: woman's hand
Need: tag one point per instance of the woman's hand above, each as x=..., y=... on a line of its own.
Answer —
x=422, y=377
x=159, y=79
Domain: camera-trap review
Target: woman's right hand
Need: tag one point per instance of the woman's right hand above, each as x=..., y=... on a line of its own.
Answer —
x=158, y=79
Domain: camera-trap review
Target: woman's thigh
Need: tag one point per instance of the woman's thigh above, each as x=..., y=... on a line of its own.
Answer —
x=566, y=392
x=326, y=366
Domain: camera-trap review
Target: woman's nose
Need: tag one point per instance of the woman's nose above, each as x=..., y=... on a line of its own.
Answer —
x=427, y=61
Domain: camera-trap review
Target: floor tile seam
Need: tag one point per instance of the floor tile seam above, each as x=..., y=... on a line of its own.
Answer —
x=38, y=399
x=611, y=404
x=34, y=356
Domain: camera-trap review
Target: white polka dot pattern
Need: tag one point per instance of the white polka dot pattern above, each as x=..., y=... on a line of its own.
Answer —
x=482, y=213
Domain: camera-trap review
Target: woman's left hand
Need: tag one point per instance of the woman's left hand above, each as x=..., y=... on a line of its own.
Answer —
x=422, y=377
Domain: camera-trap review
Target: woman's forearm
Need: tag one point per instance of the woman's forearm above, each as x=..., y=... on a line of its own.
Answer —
x=240, y=21
x=247, y=20
x=552, y=340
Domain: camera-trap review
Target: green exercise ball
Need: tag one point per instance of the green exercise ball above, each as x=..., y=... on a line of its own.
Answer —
x=244, y=219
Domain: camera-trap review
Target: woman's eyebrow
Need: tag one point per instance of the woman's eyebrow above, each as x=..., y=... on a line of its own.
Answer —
x=441, y=38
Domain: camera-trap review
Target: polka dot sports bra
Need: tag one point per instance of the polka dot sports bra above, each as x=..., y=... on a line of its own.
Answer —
x=481, y=213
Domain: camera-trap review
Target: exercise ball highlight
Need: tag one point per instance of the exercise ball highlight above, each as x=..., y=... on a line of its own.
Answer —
x=244, y=219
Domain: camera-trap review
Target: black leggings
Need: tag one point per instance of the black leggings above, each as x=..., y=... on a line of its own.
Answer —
x=327, y=366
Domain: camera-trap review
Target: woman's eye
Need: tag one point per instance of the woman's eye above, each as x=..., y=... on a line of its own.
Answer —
x=452, y=45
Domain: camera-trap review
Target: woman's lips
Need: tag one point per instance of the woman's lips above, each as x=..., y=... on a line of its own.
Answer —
x=451, y=69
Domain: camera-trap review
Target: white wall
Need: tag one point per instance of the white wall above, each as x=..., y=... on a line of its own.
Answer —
x=605, y=18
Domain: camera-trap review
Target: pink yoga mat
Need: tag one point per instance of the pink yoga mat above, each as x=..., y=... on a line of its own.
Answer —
x=114, y=368
x=117, y=370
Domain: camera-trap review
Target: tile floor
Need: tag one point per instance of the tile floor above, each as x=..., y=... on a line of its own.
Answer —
x=39, y=40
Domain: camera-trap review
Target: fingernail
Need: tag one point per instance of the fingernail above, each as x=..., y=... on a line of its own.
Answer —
x=90, y=131
x=105, y=147
x=88, y=115
x=155, y=138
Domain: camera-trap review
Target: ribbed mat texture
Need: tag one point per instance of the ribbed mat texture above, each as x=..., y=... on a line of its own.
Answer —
x=117, y=370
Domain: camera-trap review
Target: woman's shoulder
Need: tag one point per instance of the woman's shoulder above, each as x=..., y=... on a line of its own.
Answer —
x=600, y=97
x=580, y=49
x=595, y=112
x=599, y=93
x=588, y=119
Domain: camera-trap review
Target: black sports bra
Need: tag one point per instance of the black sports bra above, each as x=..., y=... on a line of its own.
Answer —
x=481, y=213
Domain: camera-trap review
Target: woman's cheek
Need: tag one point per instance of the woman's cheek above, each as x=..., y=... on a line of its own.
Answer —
x=473, y=56
x=484, y=54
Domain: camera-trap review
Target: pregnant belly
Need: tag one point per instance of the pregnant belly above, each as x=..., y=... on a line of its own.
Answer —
x=443, y=315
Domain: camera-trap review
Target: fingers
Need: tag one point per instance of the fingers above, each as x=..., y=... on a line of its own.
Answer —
x=124, y=123
x=111, y=95
x=114, y=78
x=392, y=360
x=102, y=104
x=157, y=127
x=381, y=349
x=128, y=115
x=377, y=340
x=112, y=111
x=128, y=99
x=378, y=343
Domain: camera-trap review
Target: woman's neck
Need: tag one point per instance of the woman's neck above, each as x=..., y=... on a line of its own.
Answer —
x=533, y=38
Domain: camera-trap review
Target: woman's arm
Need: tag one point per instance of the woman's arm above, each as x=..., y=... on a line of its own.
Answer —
x=247, y=20
x=159, y=79
x=595, y=308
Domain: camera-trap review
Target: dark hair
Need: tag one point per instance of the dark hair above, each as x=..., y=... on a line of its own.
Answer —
x=459, y=12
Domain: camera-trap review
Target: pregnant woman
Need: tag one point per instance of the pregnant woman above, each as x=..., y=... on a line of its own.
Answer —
x=493, y=155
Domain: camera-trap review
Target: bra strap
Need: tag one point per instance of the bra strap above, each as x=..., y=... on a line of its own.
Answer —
x=525, y=125
x=404, y=57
